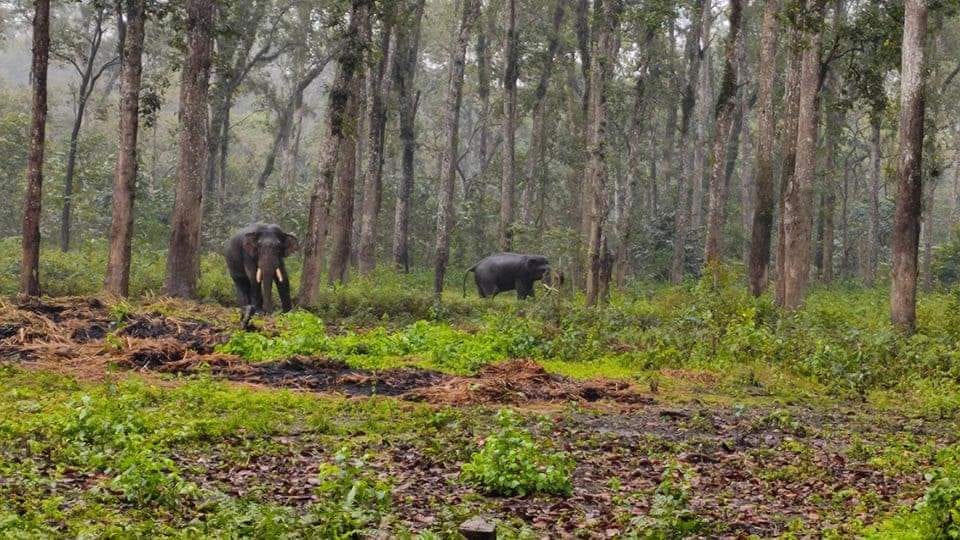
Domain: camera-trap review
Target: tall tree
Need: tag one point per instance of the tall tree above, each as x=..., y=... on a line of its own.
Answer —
x=380, y=84
x=725, y=111
x=30, y=256
x=82, y=52
x=404, y=74
x=536, y=154
x=906, y=219
x=451, y=142
x=788, y=148
x=686, y=176
x=183, y=257
x=603, y=65
x=798, y=203
x=766, y=127
x=872, y=241
x=117, y=279
x=337, y=149
x=508, y=179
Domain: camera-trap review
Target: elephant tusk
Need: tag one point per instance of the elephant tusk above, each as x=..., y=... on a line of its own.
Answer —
x=279, y=275
x=259, y=275
x=549, y=288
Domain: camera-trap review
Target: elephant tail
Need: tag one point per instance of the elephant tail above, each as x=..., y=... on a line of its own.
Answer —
x=465, y=274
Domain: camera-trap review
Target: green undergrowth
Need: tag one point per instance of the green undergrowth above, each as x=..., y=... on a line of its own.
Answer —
x=715, y=338
x=89, y=460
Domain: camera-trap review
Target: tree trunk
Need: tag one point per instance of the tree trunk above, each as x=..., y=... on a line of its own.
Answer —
x=686, y=176
x=798, y=203
x=835, y=120
x=508, y=179
x=704, y=120
x=448, y=170
x=30, y=242
x=788, y=151
x=117, y=279
x=725, y=111
x=373, y=176
x=906, y=219
x=536, y=153
x=88, y=79
x=871, y=256
x=183, y=257
x=766, y=131
x=404, y=74
x=339, y=128
x=603, y=65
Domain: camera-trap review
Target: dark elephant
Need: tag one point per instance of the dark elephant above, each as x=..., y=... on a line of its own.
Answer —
x=255, y=258
x=506, y=272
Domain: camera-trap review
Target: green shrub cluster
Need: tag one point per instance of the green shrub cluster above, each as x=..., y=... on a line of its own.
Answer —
x=512, y=463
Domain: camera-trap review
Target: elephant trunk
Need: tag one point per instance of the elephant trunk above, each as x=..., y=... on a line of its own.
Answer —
x=267, y=271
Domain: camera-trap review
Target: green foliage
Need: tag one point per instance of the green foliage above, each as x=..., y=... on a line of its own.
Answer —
x=350, y=500
x=670, y=516
x=937, y=515
x=511, y=463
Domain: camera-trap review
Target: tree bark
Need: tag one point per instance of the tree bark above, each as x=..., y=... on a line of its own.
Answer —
x=536, y=153
x=788, y=152
x=906, y=219
x=404, y=73
x=725, y=110
x=373, y=175
x=603, y=64
x=766, y=128
x=686, y=175
x=798, y=202
x=30, y=242
x=448, y=170
x=508, y=178
x=117, y=279
x=704, y=120
x=88, y=80
x=183, y=257
x=339, y=128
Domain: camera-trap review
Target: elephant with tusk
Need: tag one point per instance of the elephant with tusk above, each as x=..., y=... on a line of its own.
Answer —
x=254, y=258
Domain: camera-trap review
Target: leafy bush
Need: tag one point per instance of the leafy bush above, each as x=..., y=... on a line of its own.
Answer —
x=670, y=515
x=511, y=463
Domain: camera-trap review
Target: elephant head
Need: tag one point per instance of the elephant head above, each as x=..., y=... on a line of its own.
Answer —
x=268, y=246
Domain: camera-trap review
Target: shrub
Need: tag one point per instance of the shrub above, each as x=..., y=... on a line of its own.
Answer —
x=511, y=463
x=350, y=501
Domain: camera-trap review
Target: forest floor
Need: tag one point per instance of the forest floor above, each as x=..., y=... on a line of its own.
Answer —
x=650, y=459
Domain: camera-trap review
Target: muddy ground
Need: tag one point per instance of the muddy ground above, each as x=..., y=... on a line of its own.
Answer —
x=752, y=470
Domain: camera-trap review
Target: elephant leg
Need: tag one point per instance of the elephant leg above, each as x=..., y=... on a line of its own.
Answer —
x=524, y=289
x=242, y=286
x=283, y=287
x=487, y=290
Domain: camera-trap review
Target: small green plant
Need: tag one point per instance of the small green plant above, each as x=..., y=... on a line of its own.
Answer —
x=350, y=501
x=670, y=516
x=511, y=463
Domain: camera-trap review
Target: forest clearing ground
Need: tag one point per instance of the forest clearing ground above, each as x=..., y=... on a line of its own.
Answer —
x=755, y=465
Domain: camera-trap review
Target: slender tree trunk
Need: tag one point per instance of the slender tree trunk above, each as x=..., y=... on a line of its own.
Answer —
x=798, y=203
x=448, y=170
x=404, y=74
x=508, y=178
x=373, y=176
x=871, y=257
x=766, y=128
x=117, y=279
x=687, y=174
x=604, y=58
x=183, y=257
x=906, y=219
x=845, y=223
x=725, y=111
x=536, y=153
x=337, y=148
x=834, y=125
x=88, y=79
x=788, y=153
x=30, y=242
x=704, y=120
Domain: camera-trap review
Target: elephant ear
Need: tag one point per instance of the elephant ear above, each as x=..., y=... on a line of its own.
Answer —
x=250, y=243
x=290, y=245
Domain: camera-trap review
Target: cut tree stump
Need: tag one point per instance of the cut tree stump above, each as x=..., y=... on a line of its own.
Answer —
x=478, y=528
